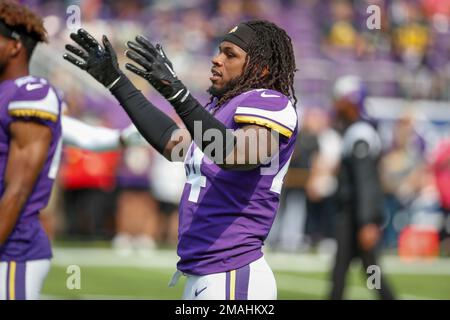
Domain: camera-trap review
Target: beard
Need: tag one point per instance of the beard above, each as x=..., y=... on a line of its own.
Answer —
x=2, y=67
x=220, y=92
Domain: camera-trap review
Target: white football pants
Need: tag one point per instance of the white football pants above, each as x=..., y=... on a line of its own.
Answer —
x=22, y=280
x=251, y=282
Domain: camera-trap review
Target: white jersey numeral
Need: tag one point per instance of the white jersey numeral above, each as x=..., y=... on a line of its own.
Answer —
x=277, y=181
x=194, y=175
x=55, y=161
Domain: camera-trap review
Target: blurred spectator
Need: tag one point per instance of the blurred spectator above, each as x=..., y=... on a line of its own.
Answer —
x=136, y=215
x=168, y=179
x=229, y=13
x=377, y=41
x=436, y=7
x=411, y=40
x=440, y=166
x=400, y=169
x=411, y=32
x=322, y=184
x=419, y=239
x=342, y=38
x=289, y=229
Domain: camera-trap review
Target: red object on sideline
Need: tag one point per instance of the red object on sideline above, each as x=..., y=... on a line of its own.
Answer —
x=441, y=168
x=418, y=242
x=83, y=169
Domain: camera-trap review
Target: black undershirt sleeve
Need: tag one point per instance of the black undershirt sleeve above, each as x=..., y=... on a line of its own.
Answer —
x=155, y=126
x=192, y=113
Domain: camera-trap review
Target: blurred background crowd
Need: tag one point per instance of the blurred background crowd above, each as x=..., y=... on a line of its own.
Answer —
x=130, y=196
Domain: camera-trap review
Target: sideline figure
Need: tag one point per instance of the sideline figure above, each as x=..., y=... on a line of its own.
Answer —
x=359, y=195
x=30, y=146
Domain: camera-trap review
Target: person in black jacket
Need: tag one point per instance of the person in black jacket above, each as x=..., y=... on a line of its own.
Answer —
x=359, y=195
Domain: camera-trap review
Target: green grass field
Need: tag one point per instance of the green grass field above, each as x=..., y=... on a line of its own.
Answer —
x=106, y=275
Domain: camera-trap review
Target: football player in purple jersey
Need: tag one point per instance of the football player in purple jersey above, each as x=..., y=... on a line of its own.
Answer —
x=232, y=191
x=30, y=136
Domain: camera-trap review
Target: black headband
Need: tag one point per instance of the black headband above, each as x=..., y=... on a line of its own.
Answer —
x=8, y=32
x=241, y=35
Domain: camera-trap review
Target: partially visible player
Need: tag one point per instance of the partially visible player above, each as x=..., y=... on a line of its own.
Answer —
x=96, y=138
x=30, y=136
x=228, y=206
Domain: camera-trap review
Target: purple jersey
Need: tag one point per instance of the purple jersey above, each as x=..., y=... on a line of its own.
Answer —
x=30, y=99
x=226, y=215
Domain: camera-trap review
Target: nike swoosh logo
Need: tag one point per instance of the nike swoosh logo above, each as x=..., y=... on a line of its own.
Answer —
x=31, y=87
x=265, y=95
x=198, y=292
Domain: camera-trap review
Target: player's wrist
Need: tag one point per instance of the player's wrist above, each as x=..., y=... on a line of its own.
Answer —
x=185, y=105
x=178, y=95
x=121, y=81
x=114, y=82
x=178, y=99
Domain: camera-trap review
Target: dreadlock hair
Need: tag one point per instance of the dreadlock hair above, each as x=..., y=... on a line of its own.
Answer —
x=25, y=22
x=271, y=50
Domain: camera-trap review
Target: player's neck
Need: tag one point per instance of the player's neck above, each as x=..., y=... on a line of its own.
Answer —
x=351, y=116
x=12, y=72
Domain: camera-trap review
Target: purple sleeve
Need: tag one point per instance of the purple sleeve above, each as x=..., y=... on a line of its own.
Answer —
x=35, y=101
x=267, y=108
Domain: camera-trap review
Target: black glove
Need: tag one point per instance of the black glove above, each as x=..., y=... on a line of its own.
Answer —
x=158, y=70
x=99, y=62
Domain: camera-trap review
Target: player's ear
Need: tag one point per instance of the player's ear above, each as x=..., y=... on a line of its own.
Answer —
x=16, y=46
x=246, y=62
x=264, y=72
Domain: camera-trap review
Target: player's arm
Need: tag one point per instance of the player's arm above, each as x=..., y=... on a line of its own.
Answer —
x=95, y=138
x=157, y=69
x=81, y=135
x=230, y=153
x=155, y=126
x=28, y=152
x=368, y=194
x=365, y=173
x=255, y=145
x=158, y=129
x=101, y=63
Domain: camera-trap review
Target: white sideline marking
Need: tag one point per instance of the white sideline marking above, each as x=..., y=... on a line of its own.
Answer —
x=278, y=261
